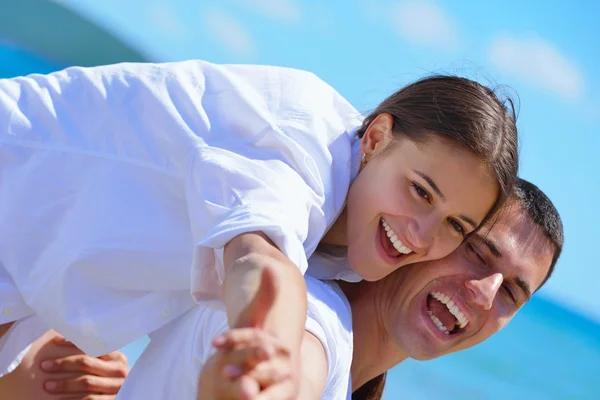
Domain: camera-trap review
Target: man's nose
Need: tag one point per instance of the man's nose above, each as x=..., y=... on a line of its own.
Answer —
x=483, y=290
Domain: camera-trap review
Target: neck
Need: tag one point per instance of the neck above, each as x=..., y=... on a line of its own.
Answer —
x=336, y=235
x=375, y=352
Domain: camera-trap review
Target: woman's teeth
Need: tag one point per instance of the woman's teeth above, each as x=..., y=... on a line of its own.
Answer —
x=398, y=245
x=461, y=319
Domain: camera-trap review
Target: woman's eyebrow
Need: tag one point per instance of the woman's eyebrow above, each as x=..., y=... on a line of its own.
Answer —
x=431, y=183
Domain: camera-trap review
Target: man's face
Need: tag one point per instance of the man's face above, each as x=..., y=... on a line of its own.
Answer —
x=447, y=305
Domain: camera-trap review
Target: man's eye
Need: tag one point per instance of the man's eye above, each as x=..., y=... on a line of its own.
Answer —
x=510, y=293
x=471, y=249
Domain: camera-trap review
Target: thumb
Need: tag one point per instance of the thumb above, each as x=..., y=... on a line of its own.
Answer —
x=255, y=314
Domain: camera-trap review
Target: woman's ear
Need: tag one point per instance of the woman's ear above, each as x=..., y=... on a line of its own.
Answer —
x=378, y=135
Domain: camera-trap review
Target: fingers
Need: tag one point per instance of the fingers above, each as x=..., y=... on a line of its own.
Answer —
x=212, y=385
x=244, y=388
x=271, y=372
x=249, y=388
x=86, y=384
x=59, y=340
x=116, y=356
x=85, y=364
x=91, y=397
x=285, y=390
x=238, y=361
x=250, y=337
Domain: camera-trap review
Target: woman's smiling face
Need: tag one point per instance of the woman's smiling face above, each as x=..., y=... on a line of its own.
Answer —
x=412, y=202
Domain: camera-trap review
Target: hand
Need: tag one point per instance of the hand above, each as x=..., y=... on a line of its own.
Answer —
x=253, y=353
x=92, y=378
x=250, y=352
x=214, y=383
x=254, y=297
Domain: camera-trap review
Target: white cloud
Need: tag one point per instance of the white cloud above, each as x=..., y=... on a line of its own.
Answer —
x=165, y=19
x=279, y=10
x=229, y=32
x=537, y=61
x=425, y=23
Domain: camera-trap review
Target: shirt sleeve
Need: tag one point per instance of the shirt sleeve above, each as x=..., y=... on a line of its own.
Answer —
x=228, y=195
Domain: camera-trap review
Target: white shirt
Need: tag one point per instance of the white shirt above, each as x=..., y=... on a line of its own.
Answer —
x=170, y=365
x=118, y=183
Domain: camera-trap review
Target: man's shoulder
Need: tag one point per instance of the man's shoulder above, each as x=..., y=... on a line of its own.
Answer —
x=330, y=321
x=328, y=305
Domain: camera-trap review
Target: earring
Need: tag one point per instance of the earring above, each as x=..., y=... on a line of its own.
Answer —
x=363, y=157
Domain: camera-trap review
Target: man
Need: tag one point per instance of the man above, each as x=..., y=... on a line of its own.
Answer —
x=432, y=309
x=52, y=368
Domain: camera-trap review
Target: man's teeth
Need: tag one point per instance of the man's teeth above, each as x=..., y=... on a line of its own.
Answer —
x=438, y=323
x=453, y=308
x=398, y=245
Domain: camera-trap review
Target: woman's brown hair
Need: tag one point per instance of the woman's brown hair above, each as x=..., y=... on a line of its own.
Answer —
x=463, y=112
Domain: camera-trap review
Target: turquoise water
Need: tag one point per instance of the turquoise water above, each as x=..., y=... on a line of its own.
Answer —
x=546, y=352
x=16, y=61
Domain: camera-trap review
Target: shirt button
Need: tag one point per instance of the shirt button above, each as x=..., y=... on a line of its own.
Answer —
x=165, y=312
x=7, y=312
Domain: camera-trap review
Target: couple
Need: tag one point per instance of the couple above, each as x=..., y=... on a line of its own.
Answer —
x=119, y=182
x=531, y=225
x=357, y=331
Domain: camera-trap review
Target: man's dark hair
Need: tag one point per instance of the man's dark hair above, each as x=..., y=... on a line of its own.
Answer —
x=542, y=212
x=372, y=390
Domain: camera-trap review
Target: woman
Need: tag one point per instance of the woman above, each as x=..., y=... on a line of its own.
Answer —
x=136, y=171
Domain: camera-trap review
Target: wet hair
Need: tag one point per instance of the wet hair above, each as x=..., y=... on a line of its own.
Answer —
x=372, y=390
x=538, y=207
x=463, y=112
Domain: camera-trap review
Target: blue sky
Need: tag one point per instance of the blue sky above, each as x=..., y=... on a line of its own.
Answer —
x=546, y=50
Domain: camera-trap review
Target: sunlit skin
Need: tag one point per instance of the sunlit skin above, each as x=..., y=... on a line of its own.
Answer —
x=77, y=376
x=431, y=194
x=489, y=278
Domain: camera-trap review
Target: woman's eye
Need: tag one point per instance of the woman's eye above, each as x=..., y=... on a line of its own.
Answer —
x=457, y=226
x=421, y=192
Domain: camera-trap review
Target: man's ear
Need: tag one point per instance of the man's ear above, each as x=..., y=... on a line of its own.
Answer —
x=378, y=135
